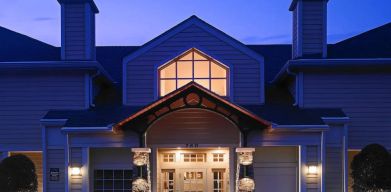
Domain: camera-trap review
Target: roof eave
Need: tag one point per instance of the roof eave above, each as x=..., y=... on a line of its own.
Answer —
x=301, y=65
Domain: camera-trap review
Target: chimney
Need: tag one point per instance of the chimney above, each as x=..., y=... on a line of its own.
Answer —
x=309, y=28
x=78, y=29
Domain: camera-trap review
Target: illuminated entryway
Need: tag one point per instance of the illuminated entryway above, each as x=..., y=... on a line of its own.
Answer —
x=193, y=170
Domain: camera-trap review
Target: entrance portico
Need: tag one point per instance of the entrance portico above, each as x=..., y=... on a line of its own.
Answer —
x=193, y=134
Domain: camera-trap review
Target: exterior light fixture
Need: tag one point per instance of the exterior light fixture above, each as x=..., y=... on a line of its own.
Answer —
x=141, y=156
x=75, y=171
x=312, y=169
x=246, y=184
x=245, y=155
x=140, y=185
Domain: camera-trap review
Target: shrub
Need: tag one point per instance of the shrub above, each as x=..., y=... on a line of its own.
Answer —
x=371, y=169
x=17, y=174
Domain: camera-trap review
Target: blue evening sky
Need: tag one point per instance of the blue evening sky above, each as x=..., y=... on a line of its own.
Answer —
x=134, y=22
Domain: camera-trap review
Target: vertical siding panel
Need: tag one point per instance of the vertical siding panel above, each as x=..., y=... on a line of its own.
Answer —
x=55, y=159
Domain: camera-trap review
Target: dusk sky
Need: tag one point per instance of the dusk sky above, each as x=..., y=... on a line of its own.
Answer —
x=134, y=22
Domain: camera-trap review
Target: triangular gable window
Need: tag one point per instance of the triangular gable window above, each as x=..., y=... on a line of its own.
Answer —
x=193, y=66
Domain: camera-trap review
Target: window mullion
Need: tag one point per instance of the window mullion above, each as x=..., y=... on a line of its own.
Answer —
x=192, y=55
x=176, y=74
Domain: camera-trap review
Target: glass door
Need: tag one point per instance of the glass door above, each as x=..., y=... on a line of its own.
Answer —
x=194, y=180
x=168, y=180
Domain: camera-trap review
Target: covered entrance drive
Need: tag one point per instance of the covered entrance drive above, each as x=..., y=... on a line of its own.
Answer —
x=193, y=134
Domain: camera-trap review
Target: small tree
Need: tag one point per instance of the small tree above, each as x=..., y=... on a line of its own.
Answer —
x=17, y=174
x=371, y=169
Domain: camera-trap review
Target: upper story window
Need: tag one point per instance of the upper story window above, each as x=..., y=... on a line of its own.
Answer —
x=195, y=66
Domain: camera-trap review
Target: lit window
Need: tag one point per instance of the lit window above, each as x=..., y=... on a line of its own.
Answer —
x=218, y=157
x=193, y=66
x=169, y=157
x=194, y=157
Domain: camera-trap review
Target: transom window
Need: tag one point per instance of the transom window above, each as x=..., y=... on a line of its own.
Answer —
x=218, y=157
x=169, y=157
x=194, y=157
x=195, y=66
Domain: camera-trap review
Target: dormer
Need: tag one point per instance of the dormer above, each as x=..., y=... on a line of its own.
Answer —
x=193, y=51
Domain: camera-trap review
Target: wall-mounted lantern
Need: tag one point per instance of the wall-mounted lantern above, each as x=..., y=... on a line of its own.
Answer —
x=245, y=155
x=141, y=156
x=312, y=169
x=75, y=171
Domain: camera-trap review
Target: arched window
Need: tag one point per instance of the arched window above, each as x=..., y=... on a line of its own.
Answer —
x=193, y=65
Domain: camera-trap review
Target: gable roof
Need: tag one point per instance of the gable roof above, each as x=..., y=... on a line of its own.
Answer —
x=18, y=47
x=194, y=20
x=375, y=43
x=191, y=95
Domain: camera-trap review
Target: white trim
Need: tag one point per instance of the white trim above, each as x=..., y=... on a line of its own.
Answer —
x=324, y=54
x=67, y=177
x=299, y=128
x=302, y=166
x=323, y=163
x=87, y=129
x=336, y=120
x=85, y=169
x=53, y=122
x=44, y=161
x=244, y=149
x=345, y=158
x=299, y=23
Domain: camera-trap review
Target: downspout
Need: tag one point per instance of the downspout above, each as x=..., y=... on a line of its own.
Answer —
x=289, y=72
x=91, y=88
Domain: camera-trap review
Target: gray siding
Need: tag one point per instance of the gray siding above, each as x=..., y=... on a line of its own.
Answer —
x=78, y=41
x=313, y=27
x=309, y=28
x=334, y=169
x=25, y=97
x=55, y=159
x=76, y=181
x=125, y=139
x=334, y=158
x=141, y=73
x=365, y=98
x=75, y=33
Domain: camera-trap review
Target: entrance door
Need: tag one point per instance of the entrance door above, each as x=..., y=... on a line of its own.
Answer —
x=194, y=180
